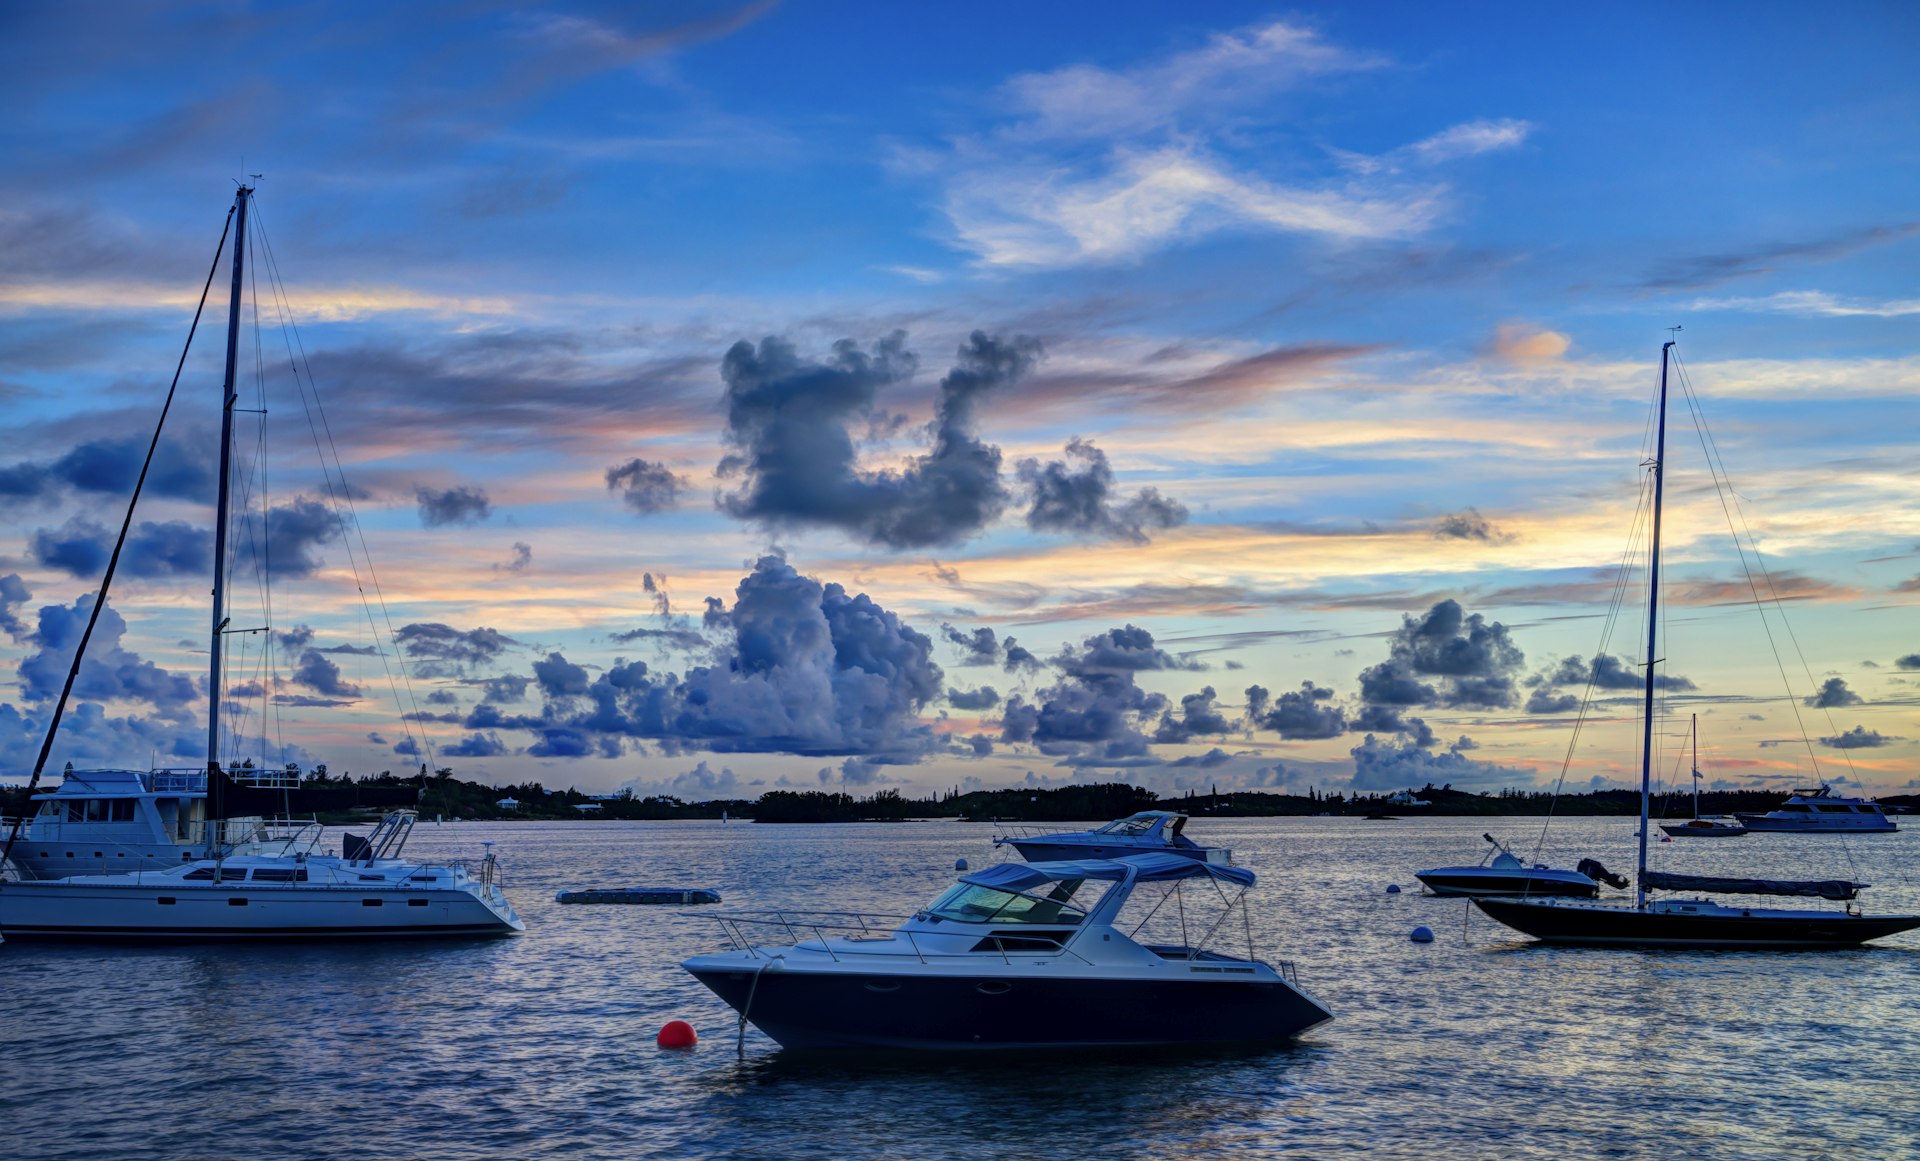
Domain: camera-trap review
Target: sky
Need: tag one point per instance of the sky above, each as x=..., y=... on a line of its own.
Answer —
x=715, y=398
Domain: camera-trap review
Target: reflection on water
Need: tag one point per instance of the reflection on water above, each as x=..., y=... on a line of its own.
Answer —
x=1478, y=1044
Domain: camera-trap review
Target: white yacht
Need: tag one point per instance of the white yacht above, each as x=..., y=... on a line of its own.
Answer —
x=367, y=892
x=101, y=822
x=1820, y=811
x=1017, y=956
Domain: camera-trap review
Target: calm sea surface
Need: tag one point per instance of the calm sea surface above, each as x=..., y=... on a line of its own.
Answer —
x=1476, y=1045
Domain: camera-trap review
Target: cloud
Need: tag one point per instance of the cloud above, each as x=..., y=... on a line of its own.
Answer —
x=981, y=647
x=1859, y=737
x=296, y=532
x=1199, y=717
x=1080, y=501
x=1096, y=712
x=1525, y=343
x=1697, y=271
x=645, y=487
x=1307, y=712
x=811, y=670
x=700, y=784
x=1446, y=658
x=984, y=698
x=438, y=650
x=476, y=745
x=110, y=466
x=1381, y=765
x=13, y=593
x=522, y=559
x=320, y=674
x=452, y=507
x=1910, y=661
x=1833, y=694
x=1468, y=524
x=1470, y=139
x=81, y=548
x=1812, y=304
x=789, y=422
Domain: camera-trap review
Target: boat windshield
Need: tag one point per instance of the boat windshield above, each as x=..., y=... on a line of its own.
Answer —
x=970, y=903
x=1136, y=827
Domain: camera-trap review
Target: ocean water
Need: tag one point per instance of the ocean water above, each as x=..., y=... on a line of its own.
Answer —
x=1479, y=1044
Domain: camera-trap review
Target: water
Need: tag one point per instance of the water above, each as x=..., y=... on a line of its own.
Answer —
x=1478, y=1044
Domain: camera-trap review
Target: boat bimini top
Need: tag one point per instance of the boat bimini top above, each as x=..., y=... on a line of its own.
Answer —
x=1152, y=867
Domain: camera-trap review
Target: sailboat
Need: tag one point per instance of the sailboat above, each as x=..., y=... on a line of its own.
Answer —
x=367, y=890
x=1698, y=827
x=1693, y=922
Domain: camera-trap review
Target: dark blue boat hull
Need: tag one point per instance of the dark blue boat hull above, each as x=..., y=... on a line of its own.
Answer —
x=819, y=1010
x=1625, y=926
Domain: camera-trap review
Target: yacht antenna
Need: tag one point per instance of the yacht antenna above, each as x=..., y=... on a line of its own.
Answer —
x=1653, y=627
x=216, y=849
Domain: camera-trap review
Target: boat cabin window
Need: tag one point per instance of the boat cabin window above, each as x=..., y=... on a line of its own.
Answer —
x=1129, y=827
x=1831, y=809
x=100, y=810
x=969, y=903
x=1800, y=807
x=279, y=874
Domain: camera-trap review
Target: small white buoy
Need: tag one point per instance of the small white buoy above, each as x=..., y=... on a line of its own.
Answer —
x=1393, y=888
x=1422, y=935
x=959, y=864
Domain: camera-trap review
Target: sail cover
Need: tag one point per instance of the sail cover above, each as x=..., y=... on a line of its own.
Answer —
x=1818, y=888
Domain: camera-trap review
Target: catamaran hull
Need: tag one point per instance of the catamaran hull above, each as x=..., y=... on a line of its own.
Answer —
x=845, y=1010
x=63, y=910
x=1620, y=926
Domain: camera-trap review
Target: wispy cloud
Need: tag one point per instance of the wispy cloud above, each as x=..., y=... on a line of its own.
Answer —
x=1101, y=166
x=1698, y=271
x=1812, y=304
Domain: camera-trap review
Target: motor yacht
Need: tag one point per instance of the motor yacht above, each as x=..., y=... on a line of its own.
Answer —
x=1017, y=956
x=102, y=822
x=1820, y=811
x=1145, y=832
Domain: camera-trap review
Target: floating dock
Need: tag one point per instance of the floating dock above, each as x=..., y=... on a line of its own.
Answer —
x=674, y=896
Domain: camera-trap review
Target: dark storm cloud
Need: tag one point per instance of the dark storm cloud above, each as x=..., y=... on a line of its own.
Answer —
x=1833, y=694
x=1079, y=500
x=981, y=646
x=645, y=488
x=1446, y=657
x=984, y=698
x=1199, y=718
x=13, y=594
x=1698, y=271
x=476, y=746
x=1859, y=737
x=452, y=507
x=1096, y=711
x=439, y=650
x=791, y=421
x=1308, y=712
x=109, y=467
x=81, y=548
x=1468, y=524
x=320, y=674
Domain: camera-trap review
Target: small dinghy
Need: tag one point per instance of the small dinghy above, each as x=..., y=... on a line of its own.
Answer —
x=669, y=896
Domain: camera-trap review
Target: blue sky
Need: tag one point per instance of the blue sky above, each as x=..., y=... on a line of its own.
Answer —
x=1293, y=326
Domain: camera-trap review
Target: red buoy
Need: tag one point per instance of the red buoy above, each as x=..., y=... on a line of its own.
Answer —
x=677, y=1034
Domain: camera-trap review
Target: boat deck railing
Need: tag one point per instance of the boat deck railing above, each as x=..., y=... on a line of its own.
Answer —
x=863, y=926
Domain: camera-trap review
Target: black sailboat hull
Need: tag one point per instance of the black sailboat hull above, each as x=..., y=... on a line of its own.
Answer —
x=1628, y=926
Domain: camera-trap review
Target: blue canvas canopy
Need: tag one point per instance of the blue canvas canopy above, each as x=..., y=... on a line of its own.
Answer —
x=1817, y=888
x=1153, y=867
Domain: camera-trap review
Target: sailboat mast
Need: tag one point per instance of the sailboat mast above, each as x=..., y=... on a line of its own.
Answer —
x=1695, y=765
x=227, y=396
x=1653, y=628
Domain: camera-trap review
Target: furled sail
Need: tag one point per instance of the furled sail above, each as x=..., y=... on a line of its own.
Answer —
x=1818, y=888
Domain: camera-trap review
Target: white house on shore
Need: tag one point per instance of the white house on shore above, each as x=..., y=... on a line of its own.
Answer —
x=508, y=804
